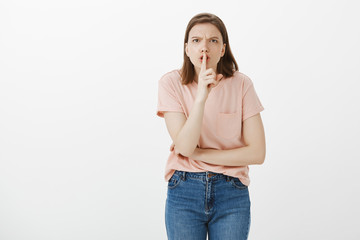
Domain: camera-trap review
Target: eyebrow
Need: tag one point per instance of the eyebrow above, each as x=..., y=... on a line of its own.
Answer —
x=201, y=37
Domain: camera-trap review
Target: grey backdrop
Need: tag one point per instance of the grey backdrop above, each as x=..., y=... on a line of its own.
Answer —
x=82, y=153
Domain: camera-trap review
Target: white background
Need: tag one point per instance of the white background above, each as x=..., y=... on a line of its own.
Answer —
x=82, y=152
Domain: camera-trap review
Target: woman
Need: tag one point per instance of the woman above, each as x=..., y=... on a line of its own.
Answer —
x=212, y=114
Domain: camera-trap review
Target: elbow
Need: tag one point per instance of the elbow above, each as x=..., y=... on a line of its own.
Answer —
x=187, y=152
x=260, y=161
x=184, y=147
x=260, y=156
x=184, y=151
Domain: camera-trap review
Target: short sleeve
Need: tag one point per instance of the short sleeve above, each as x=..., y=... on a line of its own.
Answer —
x=167, y=97
x=251, y=104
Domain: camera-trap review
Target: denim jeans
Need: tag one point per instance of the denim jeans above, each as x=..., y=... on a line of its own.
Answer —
x=204, y=203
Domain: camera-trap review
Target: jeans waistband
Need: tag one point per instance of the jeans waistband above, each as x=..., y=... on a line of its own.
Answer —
x=202, y=175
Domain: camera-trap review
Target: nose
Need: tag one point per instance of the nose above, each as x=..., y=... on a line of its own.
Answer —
x=204, y=48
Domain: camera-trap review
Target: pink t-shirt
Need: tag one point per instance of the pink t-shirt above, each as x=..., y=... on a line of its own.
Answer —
x=229, y=103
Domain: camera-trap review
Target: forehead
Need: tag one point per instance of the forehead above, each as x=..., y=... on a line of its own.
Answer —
x=206, y=29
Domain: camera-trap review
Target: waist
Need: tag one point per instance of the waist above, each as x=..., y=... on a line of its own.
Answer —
x=203, y=175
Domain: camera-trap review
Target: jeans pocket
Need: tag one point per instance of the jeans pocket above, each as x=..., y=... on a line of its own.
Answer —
x=174, y=181
x=237, y=183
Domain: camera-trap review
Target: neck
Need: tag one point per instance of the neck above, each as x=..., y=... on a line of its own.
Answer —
x=197, y=72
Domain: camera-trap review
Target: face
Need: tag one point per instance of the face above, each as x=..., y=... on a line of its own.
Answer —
x=205, y=37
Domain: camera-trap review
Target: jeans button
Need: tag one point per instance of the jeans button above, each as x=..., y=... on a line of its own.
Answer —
x=210, y=175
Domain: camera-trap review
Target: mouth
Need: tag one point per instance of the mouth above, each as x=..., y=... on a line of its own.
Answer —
x=207, y=58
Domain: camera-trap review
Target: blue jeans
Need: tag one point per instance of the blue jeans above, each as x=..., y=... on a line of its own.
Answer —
x=204, y=203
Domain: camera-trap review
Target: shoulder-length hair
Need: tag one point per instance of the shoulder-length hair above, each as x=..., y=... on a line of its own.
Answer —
x=227, y=64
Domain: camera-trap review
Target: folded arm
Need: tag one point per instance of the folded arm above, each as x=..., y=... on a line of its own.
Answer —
x=252, y=153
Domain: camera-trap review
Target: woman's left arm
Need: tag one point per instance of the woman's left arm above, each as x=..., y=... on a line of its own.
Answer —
x=252, y=153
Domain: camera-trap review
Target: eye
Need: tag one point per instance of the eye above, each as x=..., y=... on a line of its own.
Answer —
x=195, y=40
x=214, y=40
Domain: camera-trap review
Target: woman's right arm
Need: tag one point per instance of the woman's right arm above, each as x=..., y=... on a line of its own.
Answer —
x=185, y=133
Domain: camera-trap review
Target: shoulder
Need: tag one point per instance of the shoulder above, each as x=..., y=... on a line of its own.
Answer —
x=241, y=80
x=239, y=76
x=172, y=76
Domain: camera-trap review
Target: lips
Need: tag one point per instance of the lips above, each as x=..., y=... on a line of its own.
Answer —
x=207, y=58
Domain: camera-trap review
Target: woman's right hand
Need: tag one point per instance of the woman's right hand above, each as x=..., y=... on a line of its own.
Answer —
x=206, y=81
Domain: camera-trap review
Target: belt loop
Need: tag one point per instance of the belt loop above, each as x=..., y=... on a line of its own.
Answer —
x=184, y=176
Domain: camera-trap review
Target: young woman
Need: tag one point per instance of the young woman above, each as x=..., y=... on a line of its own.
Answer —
x=212, y=114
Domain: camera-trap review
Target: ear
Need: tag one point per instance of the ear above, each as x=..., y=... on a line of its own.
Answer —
x=186, y=50
x=223, y=50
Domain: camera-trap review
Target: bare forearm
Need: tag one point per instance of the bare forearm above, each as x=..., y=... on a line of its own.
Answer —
x=188, y=137
x=233, y=157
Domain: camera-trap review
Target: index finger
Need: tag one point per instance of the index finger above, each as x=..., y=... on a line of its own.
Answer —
x=203, y=64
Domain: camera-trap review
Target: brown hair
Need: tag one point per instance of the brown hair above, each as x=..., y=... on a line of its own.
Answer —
x=227, y=64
